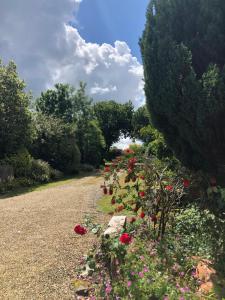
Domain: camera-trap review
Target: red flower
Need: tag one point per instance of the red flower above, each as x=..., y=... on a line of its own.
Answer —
x=132, y=220
x=153, y=218
x=142, y=177
x=105, y=191
x=142, y=215
x=110, y=191
x=119, y=208
x=134, y=179
x=186, y=183
x=125, y=238
x=80, y=229
x=107, y=169
x=169, y=188
x=128, y=151
x=141, y=194
x=113, y=200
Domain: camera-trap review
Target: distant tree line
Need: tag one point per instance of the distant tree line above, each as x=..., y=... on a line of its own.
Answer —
x=65, y=131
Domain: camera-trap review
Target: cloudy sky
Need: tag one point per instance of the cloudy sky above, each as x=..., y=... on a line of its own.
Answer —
x=95, y=41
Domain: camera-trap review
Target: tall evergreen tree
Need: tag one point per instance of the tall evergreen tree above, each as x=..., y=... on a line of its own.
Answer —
x=183, y=48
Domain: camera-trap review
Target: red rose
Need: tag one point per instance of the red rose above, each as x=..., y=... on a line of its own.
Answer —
x=130, y=170
x=125, y=238
x=128, y=151
x=80, y=229
x=105, y=191
x=132, y=220
x=113, y=201
x=111, y=191
x=169, y=188
x=119, y=208
x=136, y=209
x=141, y=194
x=142, y=177
x=142, y=215
x=134, y=179
x=153, y=218
x=186, y=183
x=107, y=169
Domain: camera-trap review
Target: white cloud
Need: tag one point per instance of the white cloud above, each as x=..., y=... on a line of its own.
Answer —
x=36, y=35
x=124, y=143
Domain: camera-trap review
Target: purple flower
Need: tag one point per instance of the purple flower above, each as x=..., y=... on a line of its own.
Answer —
x=182, y=290
x=129, y=283
x=141, y=274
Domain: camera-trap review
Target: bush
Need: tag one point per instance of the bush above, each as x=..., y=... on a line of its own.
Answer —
x=15, y=184
x=86, y=168
x=40, y=170
x=21, y=163
x=55, y=143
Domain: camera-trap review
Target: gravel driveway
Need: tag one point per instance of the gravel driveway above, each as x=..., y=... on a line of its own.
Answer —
x=38, y=248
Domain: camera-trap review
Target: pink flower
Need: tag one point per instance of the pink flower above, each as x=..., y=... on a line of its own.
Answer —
x=142, y=257
x=145, y=270
x=181, y=298
x=181, y=274
x=166, y=298
x=129, y=283
x=132, y=273
x=141, y=274
x=108, y=288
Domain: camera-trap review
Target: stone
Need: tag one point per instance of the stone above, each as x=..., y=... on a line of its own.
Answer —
x=82, y=287
x=116, y=224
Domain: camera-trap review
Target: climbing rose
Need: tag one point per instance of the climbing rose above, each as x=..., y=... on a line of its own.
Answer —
x=107, y=169
x=119, y=208
x=125, y=238
x=142, y=194
x=113, y=201
x=142, y=215
x=80, y=229
x=153, y=218
x=128, y=151
x=186, y=183
x=169, y=188
x=133, y=219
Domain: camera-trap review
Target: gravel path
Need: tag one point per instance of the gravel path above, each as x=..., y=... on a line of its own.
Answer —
x=38, y=248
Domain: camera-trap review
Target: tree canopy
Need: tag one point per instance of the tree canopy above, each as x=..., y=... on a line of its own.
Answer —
x=15, y=117
x=183, y=48
x=114, y=119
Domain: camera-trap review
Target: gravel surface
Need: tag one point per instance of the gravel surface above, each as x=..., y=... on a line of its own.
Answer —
x=38, y=248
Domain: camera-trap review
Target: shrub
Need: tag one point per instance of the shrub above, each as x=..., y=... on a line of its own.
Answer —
x=86, y=168
x=21, y=163
x=55, y=143
x=40, y=170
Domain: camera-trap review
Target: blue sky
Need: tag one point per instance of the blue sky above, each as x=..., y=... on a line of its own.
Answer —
x=105, y=21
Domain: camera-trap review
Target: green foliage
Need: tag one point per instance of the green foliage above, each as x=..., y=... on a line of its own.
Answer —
x=114, y=119
x=93, y=144
x=140, y=119
x=15, y=118
x=40, y=171
x=183, y=49
x=55, y=143
x=86, y=168
x=21, y=163
x=65, y=102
